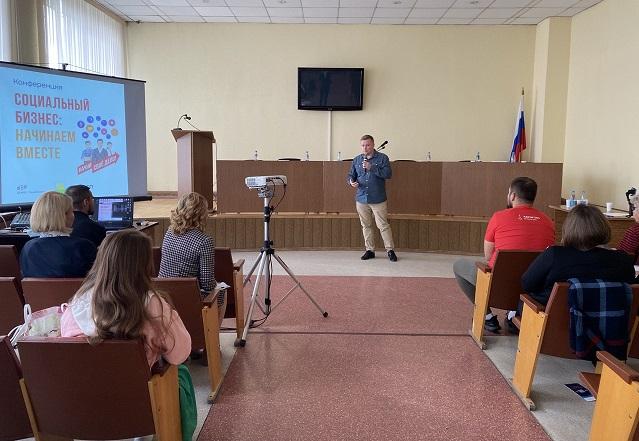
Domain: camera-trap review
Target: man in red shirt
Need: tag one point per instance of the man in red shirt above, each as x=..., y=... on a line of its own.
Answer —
x=519, y=227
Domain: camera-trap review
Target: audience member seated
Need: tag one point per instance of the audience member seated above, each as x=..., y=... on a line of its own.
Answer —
x=519, y=227
x=187, y=251
x=581, y=255
x=630, y=241
x=54, y=253
x=83, y=207
x=116, y=301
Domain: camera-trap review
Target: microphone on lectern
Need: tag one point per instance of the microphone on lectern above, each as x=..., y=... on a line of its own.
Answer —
x=186, y=117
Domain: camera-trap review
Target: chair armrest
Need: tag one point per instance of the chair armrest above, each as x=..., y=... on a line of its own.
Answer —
x=532, y=303
x=210, y=298
x=626, y=373
x=160, y=367
x=483, y=267
x=238, y=265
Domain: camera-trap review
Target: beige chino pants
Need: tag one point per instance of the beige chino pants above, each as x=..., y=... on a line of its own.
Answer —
x=378, y=211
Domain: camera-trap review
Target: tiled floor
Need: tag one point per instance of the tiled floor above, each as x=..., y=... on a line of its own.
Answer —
x=563, y=415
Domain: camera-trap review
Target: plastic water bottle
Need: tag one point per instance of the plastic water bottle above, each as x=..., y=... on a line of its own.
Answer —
x=339, y=156
x=428, y=157
x=477, y=157
x=583, y=200
x=306, y=156
x=572, y=201
x=255, y=155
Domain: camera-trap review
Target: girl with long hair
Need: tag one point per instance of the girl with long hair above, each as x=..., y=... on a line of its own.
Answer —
x=117, y=300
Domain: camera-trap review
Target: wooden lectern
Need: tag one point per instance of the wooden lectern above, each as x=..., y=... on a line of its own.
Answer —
x=196, y=163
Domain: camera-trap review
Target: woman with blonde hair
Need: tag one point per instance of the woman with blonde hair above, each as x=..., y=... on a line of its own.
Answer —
x=187, y=251
x=116, y=300
x=54, y=253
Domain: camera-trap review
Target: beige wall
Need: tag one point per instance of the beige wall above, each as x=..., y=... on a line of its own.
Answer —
x=446, y=89
x=602, y=124
x=550, y=89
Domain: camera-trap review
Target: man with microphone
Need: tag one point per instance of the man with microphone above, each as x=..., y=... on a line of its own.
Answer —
x=368, y=175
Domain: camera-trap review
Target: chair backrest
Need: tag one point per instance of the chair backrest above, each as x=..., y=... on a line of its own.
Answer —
x=557, y=334
x=157, y=257
x=185, y=295
x=224, y=273
x=42, y=293
x=14, y=423
x=11, y=305
x=85, y=391
x=505, y=283
x=9, y=263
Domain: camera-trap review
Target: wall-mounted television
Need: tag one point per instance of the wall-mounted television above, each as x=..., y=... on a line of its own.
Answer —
x=320, y=88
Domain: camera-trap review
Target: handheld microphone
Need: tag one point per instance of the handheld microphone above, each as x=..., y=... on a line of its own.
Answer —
x=383, y=146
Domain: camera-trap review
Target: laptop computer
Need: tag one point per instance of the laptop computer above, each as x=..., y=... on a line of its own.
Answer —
x=113, y=212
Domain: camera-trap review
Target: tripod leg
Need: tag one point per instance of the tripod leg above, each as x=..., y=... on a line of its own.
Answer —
x=250, y=273
x=242, y=340
x=290, y=273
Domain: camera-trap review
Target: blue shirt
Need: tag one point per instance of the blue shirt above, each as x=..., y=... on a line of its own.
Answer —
x=372, y=184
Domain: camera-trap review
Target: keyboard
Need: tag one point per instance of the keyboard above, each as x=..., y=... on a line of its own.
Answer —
x=21, y=221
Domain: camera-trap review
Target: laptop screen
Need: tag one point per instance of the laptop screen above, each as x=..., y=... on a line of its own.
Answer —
x=114, y=212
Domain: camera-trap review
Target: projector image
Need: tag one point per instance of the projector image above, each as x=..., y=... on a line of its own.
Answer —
x=263, y=181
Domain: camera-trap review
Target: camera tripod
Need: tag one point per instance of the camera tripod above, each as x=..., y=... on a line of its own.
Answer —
x=264, y=265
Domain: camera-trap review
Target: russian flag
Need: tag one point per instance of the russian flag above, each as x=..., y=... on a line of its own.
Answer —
x=519, y=138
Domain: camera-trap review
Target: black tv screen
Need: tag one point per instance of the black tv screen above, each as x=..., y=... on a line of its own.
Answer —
x=330, y=88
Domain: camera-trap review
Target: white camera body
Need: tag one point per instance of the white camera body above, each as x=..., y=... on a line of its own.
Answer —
x=263, y=181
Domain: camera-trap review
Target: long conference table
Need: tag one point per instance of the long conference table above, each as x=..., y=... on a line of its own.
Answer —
x=433, y=206
x=474, y=189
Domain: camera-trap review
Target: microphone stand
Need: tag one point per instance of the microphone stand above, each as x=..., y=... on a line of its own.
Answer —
x=179, y=120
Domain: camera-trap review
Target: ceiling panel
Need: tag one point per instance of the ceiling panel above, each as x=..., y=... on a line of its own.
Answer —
x=434, y=3
x=285, y=12
x=542, y=12
x=511, y=3
x=427, y=13
x=253, y=19
x=421, y=21
x=499, y=13
x=289, y=20
x=555, y=3
x=356, y=12
x=454, y=21
x=353, y=20
x=396, y=3
x=178, y=10
x=320, y=12
x=488, y=21
x=320, y=3
x=185, y=19
x=220, y=19
x=387, y=21
x=391, y=12
x=282, y=3
x=472, y=3
x=315, y=20
x=249, y=12
x=463, y=13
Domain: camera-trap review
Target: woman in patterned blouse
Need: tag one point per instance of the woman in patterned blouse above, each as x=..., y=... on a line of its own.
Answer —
x=187, y=251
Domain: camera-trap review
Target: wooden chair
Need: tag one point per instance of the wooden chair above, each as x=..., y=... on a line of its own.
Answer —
x=157, y=257
x=9, y=262
x=617, y=407
x=200, y=317
x=11, y=306
x=500, y=287
x=14, y=423
x=42, y=293
x=545, y=330
x=75, y=390
x=228, y=272
x=231, y=273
